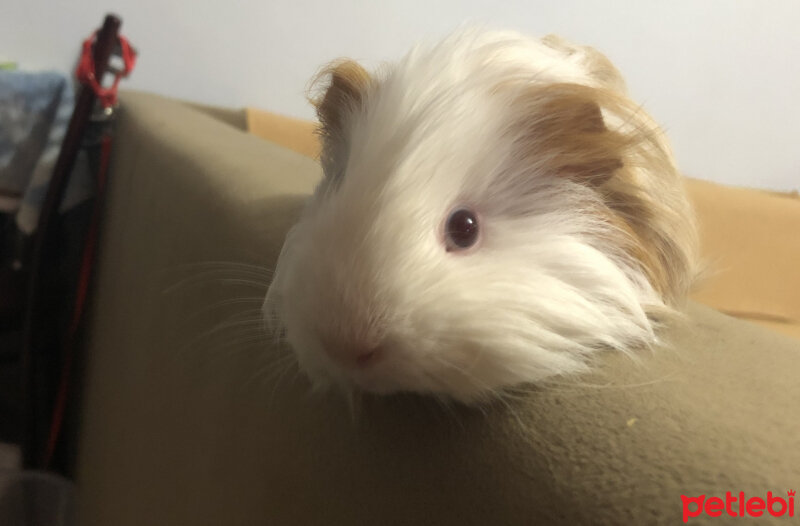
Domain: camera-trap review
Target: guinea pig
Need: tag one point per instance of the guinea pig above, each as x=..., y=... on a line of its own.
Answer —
x=494, y=211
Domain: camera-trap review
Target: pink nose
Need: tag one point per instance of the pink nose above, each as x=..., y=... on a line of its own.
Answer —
x=354, y=355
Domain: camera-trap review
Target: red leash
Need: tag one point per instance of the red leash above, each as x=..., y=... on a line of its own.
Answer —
x=108, y=98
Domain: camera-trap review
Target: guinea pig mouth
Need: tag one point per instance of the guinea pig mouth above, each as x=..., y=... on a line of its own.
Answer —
x=370, y=370
x=367, y=357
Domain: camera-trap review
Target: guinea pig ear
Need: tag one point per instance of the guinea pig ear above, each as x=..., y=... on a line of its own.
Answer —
x=341, y=87
x=337, y=92
x=563, y=133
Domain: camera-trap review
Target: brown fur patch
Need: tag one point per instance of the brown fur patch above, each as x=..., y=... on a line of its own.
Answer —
x=561, y=131
x=346, y=83
x=641, y=252
x=341, y=88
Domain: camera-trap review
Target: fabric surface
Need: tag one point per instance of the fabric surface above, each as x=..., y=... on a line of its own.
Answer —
x=750, y=238
x=191, y=419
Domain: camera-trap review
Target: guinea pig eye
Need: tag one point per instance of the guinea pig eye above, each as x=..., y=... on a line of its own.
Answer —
x=461, y=229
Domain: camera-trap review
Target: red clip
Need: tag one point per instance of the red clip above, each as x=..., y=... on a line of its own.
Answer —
x=85, y=71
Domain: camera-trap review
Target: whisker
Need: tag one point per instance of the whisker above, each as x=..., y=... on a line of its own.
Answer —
x=208, y=278
x=247, y=326
x=577, y=386
x=219, y=264
x=482, y=386
x=271, y=369
x=231, y=272
x=290, y=365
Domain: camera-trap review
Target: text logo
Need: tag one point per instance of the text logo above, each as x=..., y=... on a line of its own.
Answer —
x=738, y=505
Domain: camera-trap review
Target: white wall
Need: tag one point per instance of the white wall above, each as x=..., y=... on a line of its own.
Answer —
x=722, y=76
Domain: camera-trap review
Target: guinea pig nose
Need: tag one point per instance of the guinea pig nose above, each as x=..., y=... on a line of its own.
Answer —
x=354, y=354
x=364, y=355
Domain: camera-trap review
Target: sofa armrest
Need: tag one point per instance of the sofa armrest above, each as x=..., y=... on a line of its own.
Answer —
x=192, y=418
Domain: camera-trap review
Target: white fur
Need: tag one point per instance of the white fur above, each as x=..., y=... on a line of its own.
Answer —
x=543, y=290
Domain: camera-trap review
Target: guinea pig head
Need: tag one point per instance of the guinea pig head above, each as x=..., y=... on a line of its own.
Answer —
x=485, y=219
